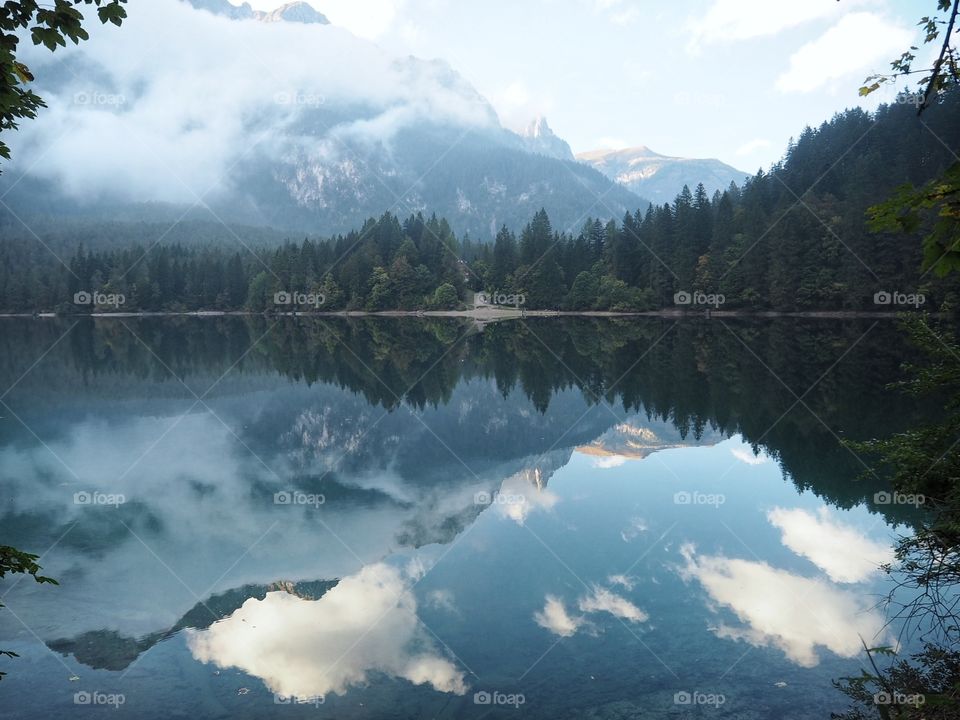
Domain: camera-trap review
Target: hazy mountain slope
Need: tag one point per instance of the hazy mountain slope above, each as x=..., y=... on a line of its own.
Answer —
x=307, y=142
x=660, y=177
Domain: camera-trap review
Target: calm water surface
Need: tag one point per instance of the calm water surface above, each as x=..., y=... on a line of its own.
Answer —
x=413, y=519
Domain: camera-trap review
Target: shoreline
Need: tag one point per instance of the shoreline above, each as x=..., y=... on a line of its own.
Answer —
x=483, y=314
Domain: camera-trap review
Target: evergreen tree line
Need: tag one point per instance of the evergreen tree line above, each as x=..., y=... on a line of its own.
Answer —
x=697, y=375
x=792, y=239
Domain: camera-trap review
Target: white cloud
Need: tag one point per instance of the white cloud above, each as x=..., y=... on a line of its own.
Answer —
x=732, y=20
x=441, y=600
x=621, y=580
x=200, y=528
x=745, y=455
x=782, y=610
x=608, y=462
x=518, y=497
x=368, y=19
x=842, y=552
x=412, y=34
x=603, y=600
x=516, y=94
x=636, y=526
x=367, y=623
x=555, y=618
x=517, y=104
x=196, y=93
x=755, y=145
x=858, y=43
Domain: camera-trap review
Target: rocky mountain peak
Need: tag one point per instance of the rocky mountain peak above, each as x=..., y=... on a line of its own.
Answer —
x=540, y=138
x=297, y=11
x=538, y=128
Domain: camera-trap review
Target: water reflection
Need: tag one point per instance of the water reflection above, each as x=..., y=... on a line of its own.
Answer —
x=301, y=647
x=549, y=480
x=843, y=553
x=782, y=609
x=557, y=619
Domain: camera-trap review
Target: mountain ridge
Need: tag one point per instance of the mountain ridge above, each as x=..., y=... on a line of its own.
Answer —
x=297, y=11
x=304, y=145
x=657, y=176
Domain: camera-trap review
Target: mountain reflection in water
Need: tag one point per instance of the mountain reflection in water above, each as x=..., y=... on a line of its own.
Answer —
x=391, y=515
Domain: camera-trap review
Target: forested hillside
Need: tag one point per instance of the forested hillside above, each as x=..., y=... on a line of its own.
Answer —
x=795, y=238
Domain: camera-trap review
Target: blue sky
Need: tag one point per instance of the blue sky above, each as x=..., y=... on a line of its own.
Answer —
x=732, y=79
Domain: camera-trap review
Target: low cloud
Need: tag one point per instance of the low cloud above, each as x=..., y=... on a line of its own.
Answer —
x=441, y=600
x=841, y=551
x=621, y=580
x=745, y=455
x=779, y=609
x=636, y=527
x=166, y=106
x=519, y=497
x=603, y=600
x=367, y=623
x=555, y=618
x=608, y=462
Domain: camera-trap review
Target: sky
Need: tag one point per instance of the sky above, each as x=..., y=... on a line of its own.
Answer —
x=731, y=79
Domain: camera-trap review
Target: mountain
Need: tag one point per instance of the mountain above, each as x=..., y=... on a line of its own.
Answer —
x=297, y=11
x=660, y=177
x=540, y=139
x=635, y=441
x=300, y=12
x=110, y=650
x=204, y=129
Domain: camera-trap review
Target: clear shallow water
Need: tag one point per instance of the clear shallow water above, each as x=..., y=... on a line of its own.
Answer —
x=408, y=519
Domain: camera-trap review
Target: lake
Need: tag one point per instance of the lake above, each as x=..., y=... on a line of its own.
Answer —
x=411, y=518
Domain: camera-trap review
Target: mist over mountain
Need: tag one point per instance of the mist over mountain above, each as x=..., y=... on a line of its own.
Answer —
x=661, y=177
x=197, y=124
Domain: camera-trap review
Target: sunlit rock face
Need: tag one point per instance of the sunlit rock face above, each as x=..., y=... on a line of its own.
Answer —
x=635, y=440
x=367, y=624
